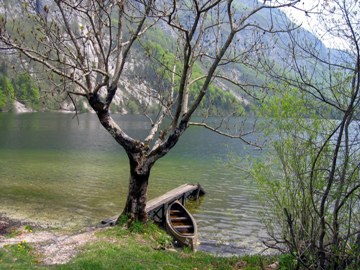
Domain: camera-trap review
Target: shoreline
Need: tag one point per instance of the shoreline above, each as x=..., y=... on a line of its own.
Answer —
x=46, y=248
x=9, y=224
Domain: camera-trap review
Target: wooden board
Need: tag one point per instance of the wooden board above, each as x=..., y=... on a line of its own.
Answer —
x=170, y=196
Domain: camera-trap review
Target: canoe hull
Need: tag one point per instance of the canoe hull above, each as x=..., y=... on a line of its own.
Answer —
x=181, y=225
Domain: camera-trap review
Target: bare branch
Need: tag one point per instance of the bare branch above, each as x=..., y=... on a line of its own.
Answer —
x=216, y=130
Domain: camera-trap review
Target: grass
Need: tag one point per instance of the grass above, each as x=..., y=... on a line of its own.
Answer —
x=19, y=256
x=139, y=247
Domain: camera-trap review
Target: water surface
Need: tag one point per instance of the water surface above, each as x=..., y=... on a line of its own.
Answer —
x=69, y=173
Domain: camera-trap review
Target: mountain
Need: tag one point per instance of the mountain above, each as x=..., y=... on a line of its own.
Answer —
x=149, y=77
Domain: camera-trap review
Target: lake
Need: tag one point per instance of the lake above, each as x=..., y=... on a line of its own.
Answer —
x=67, y=173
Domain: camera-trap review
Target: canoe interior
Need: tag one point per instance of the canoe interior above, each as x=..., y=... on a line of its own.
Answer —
x=180, y=220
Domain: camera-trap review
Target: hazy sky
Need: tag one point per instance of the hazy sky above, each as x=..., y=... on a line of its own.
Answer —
x=312, y=24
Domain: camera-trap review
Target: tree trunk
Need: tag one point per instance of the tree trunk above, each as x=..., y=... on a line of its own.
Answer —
x=137, y=194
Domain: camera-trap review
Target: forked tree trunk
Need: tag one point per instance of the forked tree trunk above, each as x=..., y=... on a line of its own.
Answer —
x=139, y=164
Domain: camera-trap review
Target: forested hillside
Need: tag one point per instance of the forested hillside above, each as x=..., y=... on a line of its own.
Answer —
x=153, y=58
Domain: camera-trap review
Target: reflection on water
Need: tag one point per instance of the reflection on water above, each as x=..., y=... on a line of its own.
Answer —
x=60, y=173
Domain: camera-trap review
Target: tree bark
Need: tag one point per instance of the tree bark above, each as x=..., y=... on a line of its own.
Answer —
x=138, y=184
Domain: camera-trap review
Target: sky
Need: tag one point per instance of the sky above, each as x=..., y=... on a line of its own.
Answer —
x=311, y=23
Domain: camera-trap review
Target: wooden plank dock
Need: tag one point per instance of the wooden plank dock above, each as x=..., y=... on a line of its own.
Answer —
x=180, y=193
x=156, y=207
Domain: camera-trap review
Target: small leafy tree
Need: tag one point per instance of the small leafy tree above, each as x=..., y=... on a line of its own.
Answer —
x=313, y=187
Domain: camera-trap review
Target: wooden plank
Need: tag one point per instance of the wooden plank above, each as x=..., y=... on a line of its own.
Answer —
x=170, y=196
x=179, y=218
x=180, y=227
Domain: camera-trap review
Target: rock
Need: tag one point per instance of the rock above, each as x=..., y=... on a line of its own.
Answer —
x=240, y=265
x=273, y=266
x=20, y=108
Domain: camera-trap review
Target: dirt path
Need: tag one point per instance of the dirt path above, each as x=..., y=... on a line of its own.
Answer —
x=52, y=247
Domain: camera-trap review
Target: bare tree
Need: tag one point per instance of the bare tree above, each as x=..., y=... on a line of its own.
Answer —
x=318, y=215
x=87, y=43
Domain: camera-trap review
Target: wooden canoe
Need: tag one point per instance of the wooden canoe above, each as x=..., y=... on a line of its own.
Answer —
x=181, y=225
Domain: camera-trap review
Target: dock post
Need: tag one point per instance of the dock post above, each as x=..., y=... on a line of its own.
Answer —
x=198, y=192
x=163, y=218
x=183, y=199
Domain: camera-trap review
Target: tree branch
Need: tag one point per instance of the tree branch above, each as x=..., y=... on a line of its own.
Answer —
x=228, y=135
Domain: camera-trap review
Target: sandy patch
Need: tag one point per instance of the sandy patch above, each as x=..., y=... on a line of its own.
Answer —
x=52, y=247
x=61, y=249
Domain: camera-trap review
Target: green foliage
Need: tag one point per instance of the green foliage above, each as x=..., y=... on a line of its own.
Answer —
x=23, y=247
x=8, y=88
x=26, y=90
x=7, y=96
x=133, y=106
x=286, y=109
x=159, y=37
x=3, y=100
x=297, y=180
x=17, y=86
x=28, y=228
x=122, y=220
x=284, y=174
x=137, y=227
x=287, y=262
x=19, y=256
x=163, y=239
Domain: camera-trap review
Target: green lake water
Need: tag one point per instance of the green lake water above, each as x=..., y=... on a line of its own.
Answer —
x=62, y=172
